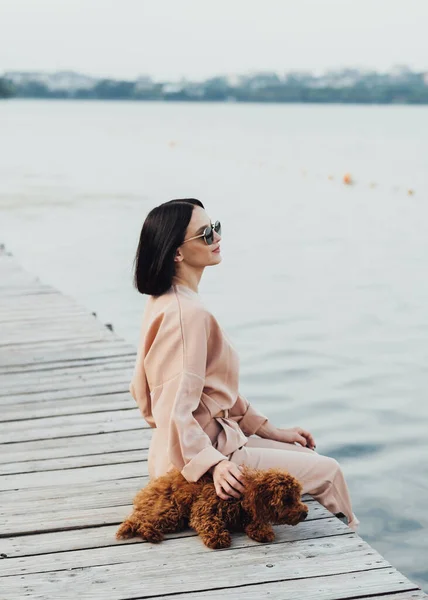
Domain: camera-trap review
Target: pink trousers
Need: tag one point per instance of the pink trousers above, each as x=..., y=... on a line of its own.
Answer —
x=320, y=476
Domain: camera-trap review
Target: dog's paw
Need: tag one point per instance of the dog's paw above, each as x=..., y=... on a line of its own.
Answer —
x=149, y=533
x=217, y=541
x=126, y=530
x=265, y=537
x=260, y=534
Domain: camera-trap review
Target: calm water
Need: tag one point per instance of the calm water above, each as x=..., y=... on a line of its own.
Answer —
x=323, y=287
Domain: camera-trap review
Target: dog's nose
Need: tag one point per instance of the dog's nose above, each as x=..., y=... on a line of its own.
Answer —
x=303, y=514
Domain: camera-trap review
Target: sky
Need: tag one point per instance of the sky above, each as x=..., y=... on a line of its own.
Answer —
x=197, y=39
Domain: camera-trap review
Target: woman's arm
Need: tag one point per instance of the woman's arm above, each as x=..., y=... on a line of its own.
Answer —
x=177, y=360
x=253, y=422
x=268, y=431
x=249, y=419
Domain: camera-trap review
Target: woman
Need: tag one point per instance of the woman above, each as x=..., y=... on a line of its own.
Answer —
x=186, y=374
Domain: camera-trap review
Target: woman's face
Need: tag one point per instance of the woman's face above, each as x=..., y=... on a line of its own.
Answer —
x=197, y=252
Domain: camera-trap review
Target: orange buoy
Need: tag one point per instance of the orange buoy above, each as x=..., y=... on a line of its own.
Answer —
x=347, y=179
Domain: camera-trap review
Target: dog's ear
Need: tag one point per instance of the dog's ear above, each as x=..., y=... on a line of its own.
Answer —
x=263, y=491
x=256, y=494
x=278, y=489
x=257, y=502
x=289, y=491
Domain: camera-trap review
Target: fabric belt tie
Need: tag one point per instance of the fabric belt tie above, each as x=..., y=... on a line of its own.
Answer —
x=223, y=413
x=231, y=438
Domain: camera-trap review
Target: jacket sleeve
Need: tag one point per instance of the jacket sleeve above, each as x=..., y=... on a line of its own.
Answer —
x=182, y=360
x=248, y=418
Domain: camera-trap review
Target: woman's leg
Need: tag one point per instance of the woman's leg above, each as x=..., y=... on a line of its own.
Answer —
x=320, y=476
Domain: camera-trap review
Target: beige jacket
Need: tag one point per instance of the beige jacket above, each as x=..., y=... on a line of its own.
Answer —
x=185, y=383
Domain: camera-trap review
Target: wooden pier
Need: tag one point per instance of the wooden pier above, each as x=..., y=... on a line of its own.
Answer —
x=73, y=451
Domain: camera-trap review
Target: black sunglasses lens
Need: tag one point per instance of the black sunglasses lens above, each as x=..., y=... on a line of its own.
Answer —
x=209, y=235
x=209, y=232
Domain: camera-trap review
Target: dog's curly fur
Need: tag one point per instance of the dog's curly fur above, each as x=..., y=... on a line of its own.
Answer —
x=171, y=503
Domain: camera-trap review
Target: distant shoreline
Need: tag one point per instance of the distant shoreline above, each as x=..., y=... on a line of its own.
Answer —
x=210, y=101
x=345, y=86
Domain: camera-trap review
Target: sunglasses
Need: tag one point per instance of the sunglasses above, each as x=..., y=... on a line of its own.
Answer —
x=208, y=234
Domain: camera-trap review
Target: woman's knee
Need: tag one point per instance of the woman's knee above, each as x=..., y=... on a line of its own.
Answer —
x=331, y=468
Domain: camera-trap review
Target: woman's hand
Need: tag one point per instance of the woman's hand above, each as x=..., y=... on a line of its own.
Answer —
x=295, y=434
x=228, y=479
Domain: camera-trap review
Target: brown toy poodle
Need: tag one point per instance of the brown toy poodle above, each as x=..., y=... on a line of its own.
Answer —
x=171, y=503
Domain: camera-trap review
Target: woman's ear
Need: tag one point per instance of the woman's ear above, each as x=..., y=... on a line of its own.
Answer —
x=178, y=256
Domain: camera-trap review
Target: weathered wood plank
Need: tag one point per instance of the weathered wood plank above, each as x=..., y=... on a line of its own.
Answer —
x=66, y=540
x=48, y=381
x=107, y=546
x=38, y=345
x=27, y=316
x=386, y=583
x=100, y=425
x=73, y=462
x=19, y=360
x=106, y=554
x=45, y=325
x=115, y=441
x=72, y=476
x=70, y=367
x=62, y=423
x=58, y=353
x=52, y=336
x=67, y=393
x=85, y=404
x=417, y=594
x=164, y=571
x=38, y=522
x=78, y=494
x=51, y=382
x=97, y=537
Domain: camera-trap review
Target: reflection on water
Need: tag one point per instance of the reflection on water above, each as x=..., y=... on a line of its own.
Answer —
x=322, y=288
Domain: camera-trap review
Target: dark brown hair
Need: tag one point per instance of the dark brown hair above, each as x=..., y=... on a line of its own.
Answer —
x=162, y=233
